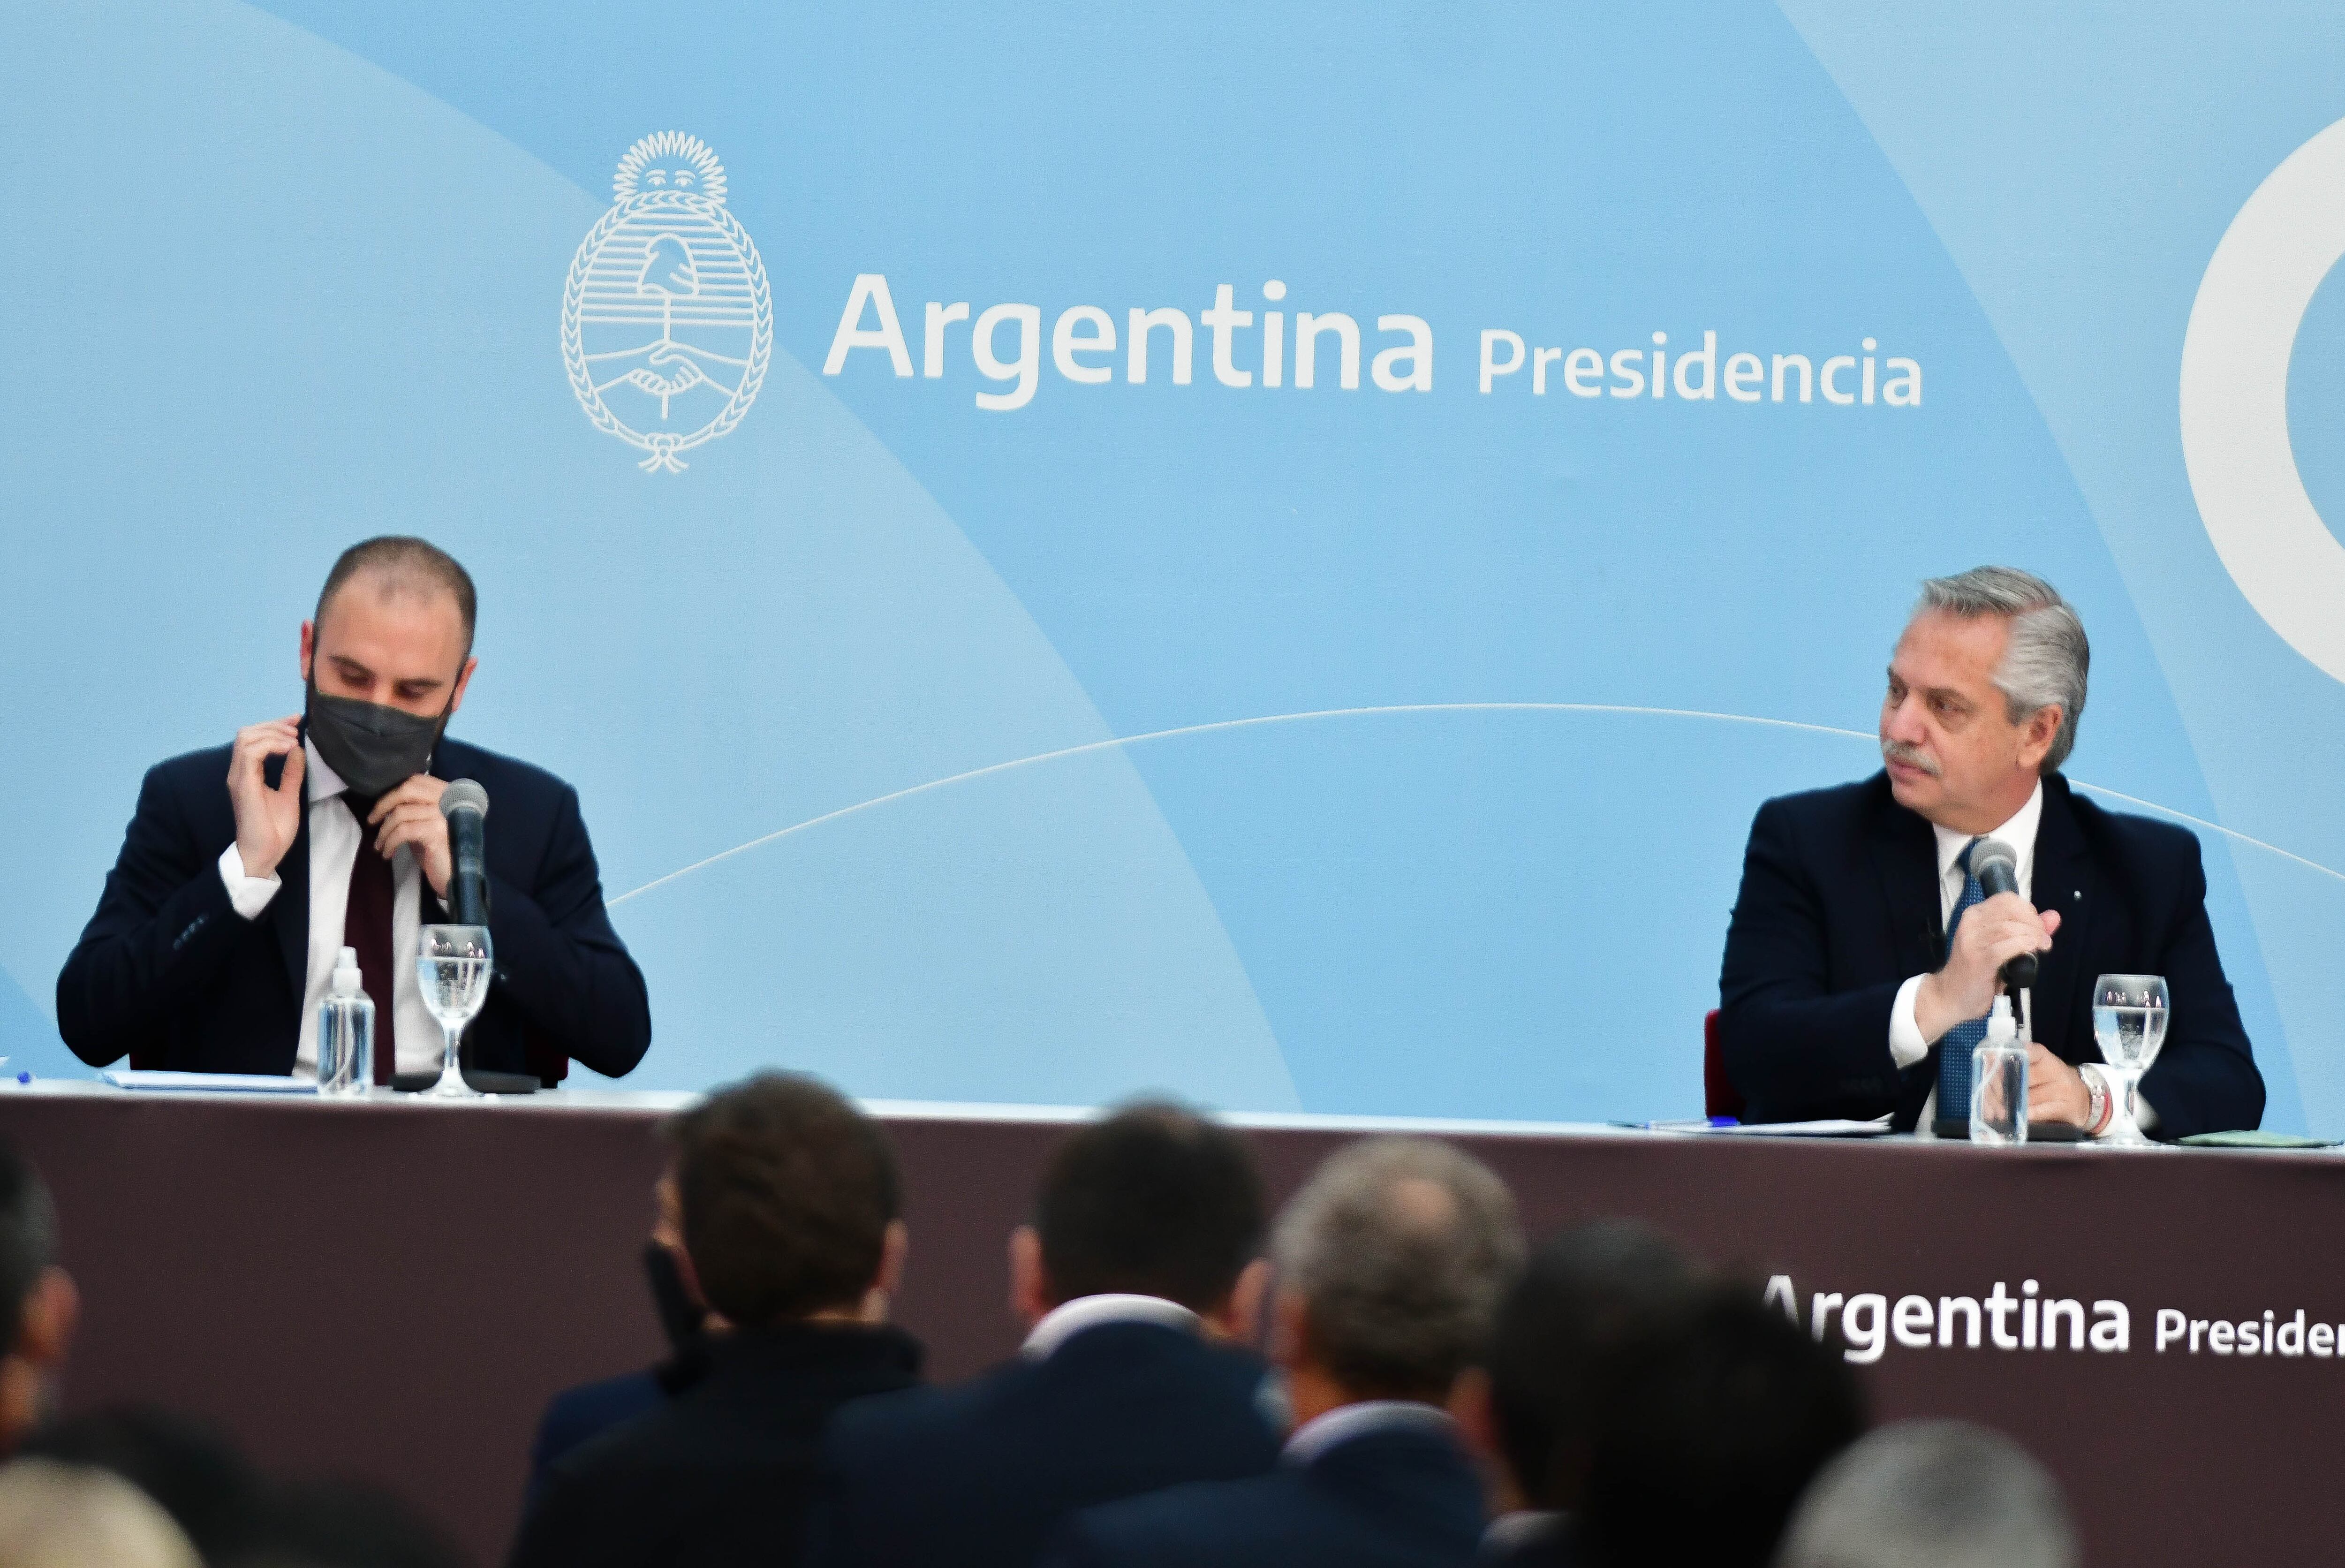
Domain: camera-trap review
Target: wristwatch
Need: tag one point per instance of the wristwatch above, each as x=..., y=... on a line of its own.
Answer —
x=2096, y=1116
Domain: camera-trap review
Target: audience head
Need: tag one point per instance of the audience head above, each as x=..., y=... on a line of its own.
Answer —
x=341, y=1525
x=192, y=1472
x=393, y=627
x=56, y=1515
x=37, y=1302
x=1582, y=1298
x=1933, y=1494
x=1152, y=1199
x=789, y=1203
x=1391, y=1261
x=1717, y=1423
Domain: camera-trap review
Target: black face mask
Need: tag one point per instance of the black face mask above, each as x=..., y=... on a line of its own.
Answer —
x=680, y=1316
x=375, y=748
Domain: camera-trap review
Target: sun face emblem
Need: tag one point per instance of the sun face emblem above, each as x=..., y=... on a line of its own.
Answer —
x=668, y=325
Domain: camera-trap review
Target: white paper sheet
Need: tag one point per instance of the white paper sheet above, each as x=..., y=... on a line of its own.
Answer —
x=209, y=1083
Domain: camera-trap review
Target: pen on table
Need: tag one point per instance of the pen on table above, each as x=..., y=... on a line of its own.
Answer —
x=1694, y=1124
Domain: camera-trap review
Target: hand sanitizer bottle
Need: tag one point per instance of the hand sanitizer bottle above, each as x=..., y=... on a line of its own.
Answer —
x=1999, y=1081
x=345, y=1033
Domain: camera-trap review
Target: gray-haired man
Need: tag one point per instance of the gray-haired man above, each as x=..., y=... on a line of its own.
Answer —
x=1391, y=1261
x=1933, y=1494
x=1864, y=955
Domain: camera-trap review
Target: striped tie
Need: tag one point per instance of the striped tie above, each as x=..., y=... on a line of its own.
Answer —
x=1955, y=1050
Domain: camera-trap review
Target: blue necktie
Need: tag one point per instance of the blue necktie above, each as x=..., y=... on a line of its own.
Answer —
x=1955, y=1050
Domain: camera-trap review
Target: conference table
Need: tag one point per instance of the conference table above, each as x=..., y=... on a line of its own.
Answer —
x=392, y=1287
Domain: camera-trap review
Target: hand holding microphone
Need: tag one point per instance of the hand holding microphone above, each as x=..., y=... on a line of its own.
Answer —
x=1998, y=937
x=1996, y=867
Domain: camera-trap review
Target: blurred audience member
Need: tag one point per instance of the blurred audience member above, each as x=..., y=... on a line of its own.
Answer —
x=340, y=1524
x=1585, y=1295
x=574, y=1415
x=192, y=1472
x=1933, y=1494
x=1141, y=1262
x=37, y=1301
x=1391, y=1261
x=56, y=1515
x=1711, y=1431
x=792, y=1231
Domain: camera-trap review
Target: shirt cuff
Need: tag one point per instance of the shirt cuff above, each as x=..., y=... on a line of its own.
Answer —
x=250, y=895
x=1906, y=1045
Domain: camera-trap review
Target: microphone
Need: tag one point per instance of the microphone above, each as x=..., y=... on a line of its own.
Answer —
x=1996, y=867
x=466, y=806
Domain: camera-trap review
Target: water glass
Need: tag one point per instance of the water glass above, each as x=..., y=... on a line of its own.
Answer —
x=2129, y=1015
x=453, y=963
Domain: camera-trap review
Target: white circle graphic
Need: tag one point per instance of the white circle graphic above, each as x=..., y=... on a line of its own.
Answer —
x=2234, y=358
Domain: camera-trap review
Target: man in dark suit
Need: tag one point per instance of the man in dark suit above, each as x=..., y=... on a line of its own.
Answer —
x=1531, y=1408
x=791, y=1231
x=1712, y=1424
x=1138, y=1272
x=1863, y=959
x=576, y=1416
x=246, y=868
x=1390, y=1263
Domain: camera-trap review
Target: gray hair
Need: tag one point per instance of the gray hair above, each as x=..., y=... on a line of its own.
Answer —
x=2048, y=658
x=1399, y=1248
x=1932, y=1495
x=56, y=1515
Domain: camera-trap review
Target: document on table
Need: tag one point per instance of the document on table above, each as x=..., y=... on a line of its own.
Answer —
x=1826, y=1129
x=209, y=1083
x=1716, y=1126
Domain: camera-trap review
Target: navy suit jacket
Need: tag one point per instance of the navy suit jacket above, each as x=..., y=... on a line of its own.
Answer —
x=1840, y=905
x=168, y=972
x=980, y=1475
x=1390, y=1498
x=720, y=1476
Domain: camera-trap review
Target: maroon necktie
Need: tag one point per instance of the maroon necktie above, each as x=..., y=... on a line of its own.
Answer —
x=366, y=926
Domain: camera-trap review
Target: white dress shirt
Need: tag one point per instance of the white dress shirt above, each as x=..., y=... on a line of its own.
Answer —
x=1069, y=1319
x=1906, y=1045
x=1345, y=1423
x=336, y=837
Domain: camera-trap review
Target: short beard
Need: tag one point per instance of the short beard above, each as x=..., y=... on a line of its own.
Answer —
x=1898, y=751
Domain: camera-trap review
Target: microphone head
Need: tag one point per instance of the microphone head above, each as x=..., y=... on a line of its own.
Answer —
x=1984, y=853
x=464, y=795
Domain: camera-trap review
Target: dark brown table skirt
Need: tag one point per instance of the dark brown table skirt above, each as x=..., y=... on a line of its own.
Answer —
x=392, y=1290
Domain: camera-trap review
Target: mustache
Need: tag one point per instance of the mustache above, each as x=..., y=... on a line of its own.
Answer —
x=1912, y=757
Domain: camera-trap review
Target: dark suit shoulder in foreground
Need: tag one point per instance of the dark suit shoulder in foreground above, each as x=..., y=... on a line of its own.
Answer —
x=980, y=1475
x=720, y=1476
x=1397, y=1499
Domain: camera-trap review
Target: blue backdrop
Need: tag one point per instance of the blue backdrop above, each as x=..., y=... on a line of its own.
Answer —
x=904, y=703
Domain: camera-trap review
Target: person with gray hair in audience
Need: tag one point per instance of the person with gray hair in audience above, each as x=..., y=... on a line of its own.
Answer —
x=56, y=1515
x=1391, y=1263
x=1933, y=1494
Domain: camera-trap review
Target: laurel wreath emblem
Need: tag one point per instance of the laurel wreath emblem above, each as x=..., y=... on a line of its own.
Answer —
x=664, y=445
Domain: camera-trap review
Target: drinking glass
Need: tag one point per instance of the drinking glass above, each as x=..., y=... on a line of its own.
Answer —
x=2129, y=1015
x=453, y=963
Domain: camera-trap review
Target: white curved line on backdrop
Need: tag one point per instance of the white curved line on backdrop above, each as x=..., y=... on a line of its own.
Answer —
x=1114, y=742
x=2235, y=356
